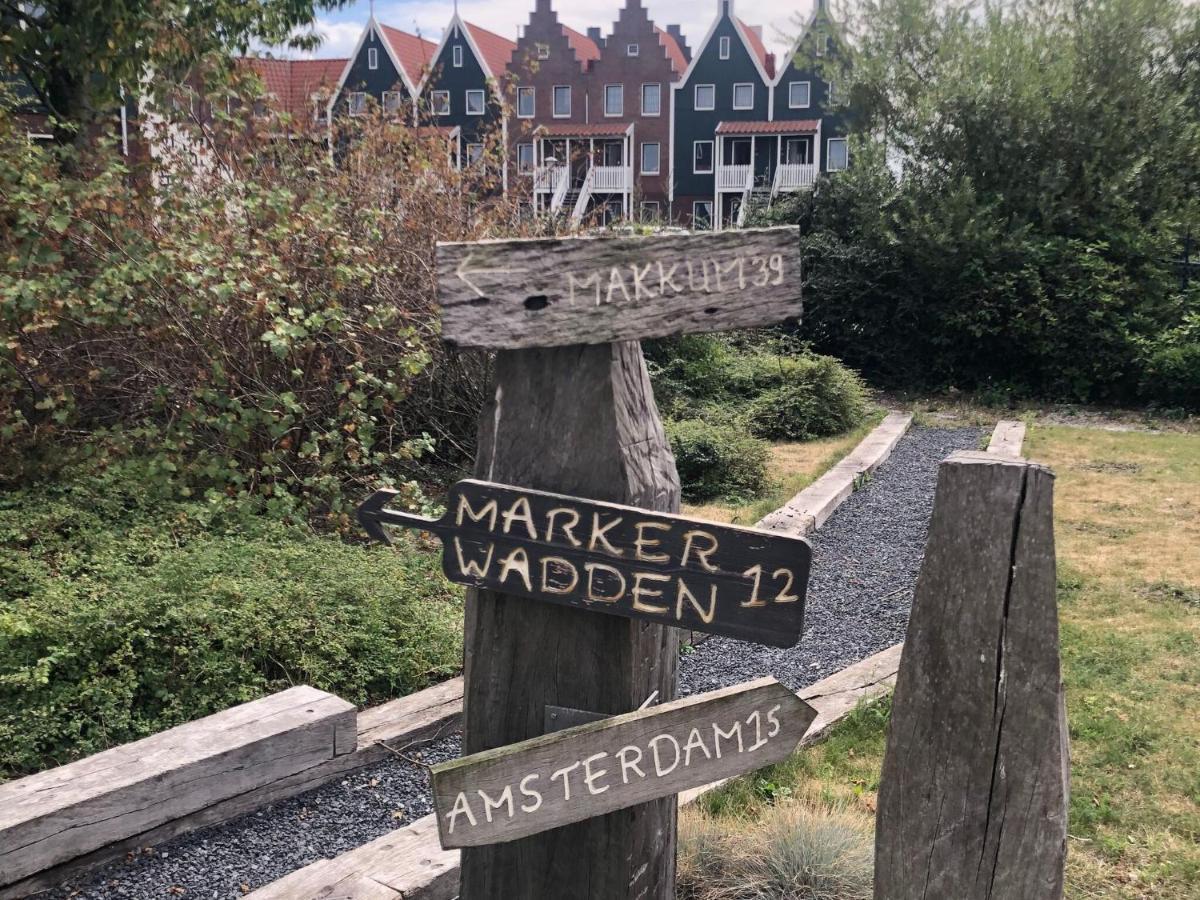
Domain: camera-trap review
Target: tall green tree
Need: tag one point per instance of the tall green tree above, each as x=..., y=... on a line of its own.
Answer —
x=79, y=55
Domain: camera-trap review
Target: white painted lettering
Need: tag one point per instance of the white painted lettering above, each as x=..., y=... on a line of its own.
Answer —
x=464, y=510
x=472, y=567
x=626, y=765
x=666, y=277
x=639, y=592
x=615, y=281
x=756, y=718
x=691, y=538
x=565, y=528
x=531, y=792
x=599, y=535
x=775, y=263
x=694, y=740
x=774, y=720
x=719, y=732
x=682, y=592
x=640, y=289
x=461, y=808
x=592, y=281
x=505, y=799
x=520, y=512
x=565, y=771
x=589, y=776
x=658, y=768
x=592, y=595
x=564, y=567
x=518, y=561
x=643, y=543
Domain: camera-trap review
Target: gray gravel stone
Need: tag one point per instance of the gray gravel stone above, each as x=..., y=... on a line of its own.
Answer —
x=865, y=563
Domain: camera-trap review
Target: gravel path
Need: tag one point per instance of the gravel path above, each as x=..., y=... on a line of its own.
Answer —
x=865, y=562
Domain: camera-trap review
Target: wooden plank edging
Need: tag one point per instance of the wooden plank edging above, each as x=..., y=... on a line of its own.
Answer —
x=410, y=864
x=808, y=510
x=1007, y=438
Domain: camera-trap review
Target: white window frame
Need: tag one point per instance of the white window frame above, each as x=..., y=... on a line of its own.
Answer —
x=657, y=170
x=521, y=167
x=792, y=85
x=383, y=99
x=457, y=56
x=696, y=97
x=356, y=102
x=620, y=112
x=696, y=204
x=724, y=46
x=743, y=84
x=372, y=57
x=434, y=108
x=554, y=101
x=829, y=155
x=632, y=50
x=657, y=85
x=647, y=204
x=532, y=93
x=482, y=101
x=829, y=94
x=711, y=156
x=467, y=154
x=543, y=51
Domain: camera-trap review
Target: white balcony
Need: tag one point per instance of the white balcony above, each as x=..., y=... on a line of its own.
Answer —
x=547, y=179
x=795, y=177
x=733, y=178
x=611, y=179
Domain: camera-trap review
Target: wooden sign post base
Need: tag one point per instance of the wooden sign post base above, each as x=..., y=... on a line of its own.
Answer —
x=578, y=420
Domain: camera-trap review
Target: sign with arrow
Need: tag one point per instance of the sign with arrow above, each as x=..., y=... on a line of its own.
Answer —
x=556, y=292
x=621, y=560
x=546, y=782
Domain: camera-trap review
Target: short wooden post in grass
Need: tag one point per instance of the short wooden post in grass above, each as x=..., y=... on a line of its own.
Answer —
x=973, y=796
x=572, y=412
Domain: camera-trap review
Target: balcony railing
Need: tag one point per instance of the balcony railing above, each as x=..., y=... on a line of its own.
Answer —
x=546, y=179
x=733, y=178
x=610, y=179
x=794, y=177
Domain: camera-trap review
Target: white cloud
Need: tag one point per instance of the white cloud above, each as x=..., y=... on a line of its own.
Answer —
x=505, y=17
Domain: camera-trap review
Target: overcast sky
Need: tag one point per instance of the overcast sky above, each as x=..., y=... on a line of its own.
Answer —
x=341, y=29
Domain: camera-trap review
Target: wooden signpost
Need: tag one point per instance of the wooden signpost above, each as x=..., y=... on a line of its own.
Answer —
x=617, y=762
x=571, y=412
x=673, y=570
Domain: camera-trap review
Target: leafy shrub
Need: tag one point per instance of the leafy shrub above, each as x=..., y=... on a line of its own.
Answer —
x=717, y=460
x=124, y=611
x=792, y=851
x=811, y=397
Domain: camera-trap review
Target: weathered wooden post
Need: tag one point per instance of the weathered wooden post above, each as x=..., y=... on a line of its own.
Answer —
x=572, y=412
x=973, y=798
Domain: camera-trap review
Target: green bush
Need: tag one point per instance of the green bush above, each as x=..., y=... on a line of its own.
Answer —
x=717, y=460
x=124, y=612
x=808, y=397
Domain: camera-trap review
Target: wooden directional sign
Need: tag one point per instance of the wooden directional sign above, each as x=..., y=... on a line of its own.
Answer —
x=670, y=569
x=561, y=291
x=522, y=789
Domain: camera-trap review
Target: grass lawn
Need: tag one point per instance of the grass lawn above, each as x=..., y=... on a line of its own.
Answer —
x=792, y=467
x=1127, y=517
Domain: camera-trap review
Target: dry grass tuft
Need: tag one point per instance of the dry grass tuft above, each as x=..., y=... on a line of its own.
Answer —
x=793, y=851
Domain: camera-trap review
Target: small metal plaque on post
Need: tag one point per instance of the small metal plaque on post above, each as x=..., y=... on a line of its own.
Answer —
x=621, y=560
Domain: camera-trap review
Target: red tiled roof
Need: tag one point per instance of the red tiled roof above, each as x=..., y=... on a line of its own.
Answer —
x=292, y=82
x=585, y=48
x=414, y=53
x=674, y=54
x=754, y=38
x=597, y=129
x=496, y=50
x=800, y=126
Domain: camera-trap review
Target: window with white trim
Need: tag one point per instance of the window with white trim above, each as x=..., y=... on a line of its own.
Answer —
x=724, y=47
x=651, y=99
x=799, y=94
x=524, y=158
x=837, y=154
x=543, y=51
x=632, y=49
x=614, y=99
x=475, y=102
x=705, y=97
x=439, y=103
x=392, y=102
x=458, y=56
x=562, y=101
x=474, y=153
x=650, y=211
x=830, y=98
x=356, y=103
x=651, y=151
x=702, y=214
x=743, y=95
x=372, y=58
x=525, y=103
x=702, y=157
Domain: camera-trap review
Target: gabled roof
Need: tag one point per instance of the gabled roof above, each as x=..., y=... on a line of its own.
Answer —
x=804, y=30
x=585, y=48
x=752, y=35
x=674, y=53
x=763, y=61
x=411, y=53
x=293, y=82
x=495, y=50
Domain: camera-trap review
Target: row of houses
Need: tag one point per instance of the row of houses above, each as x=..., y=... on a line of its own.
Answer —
x=632, y=125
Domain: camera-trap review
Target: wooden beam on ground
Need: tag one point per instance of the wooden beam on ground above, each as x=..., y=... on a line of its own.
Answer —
x=1007, y=438
x=421, y=716
x=67, y=812
x=555, y=292
x=808, y=510
x=973, y=796
x=357, y=872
